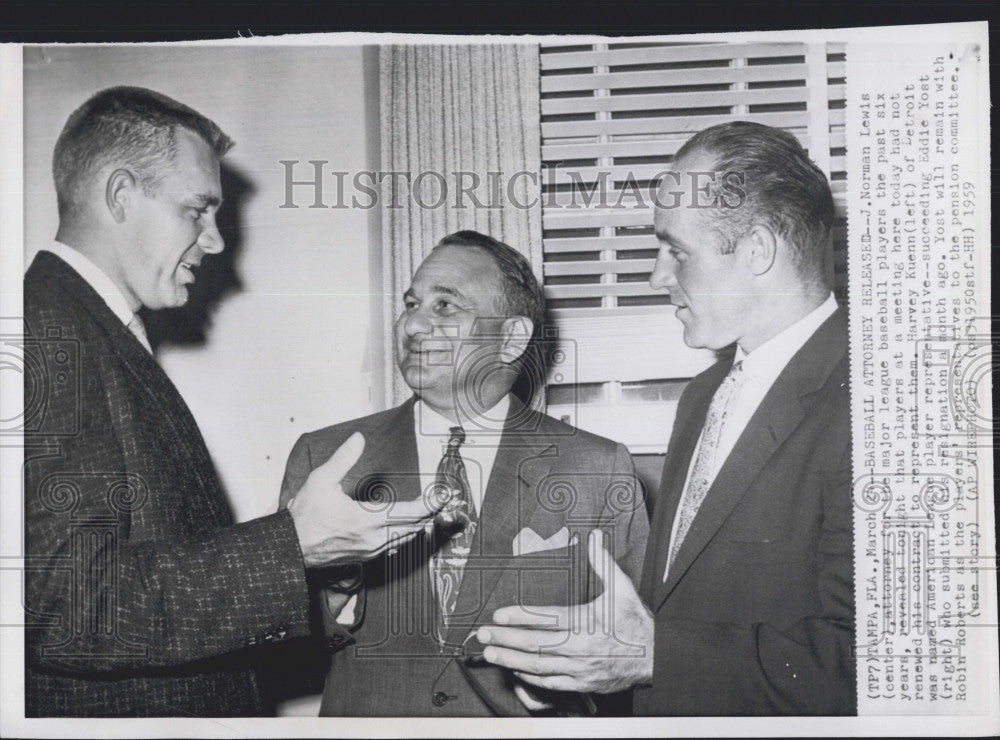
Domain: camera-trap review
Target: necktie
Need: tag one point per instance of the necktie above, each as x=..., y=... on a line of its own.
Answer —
x=703, y=472
x=139, y=330
x=460, y=521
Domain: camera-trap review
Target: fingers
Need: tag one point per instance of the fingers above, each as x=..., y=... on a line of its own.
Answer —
x=531, y=702
x=525, y=640
x=334, y=469
x=529, y=663
x=553, y=683
x=541, y=617
x=416, y=512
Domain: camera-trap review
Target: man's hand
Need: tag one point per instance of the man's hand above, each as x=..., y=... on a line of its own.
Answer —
x=601, y=647
x=334, y=529
x=530, y=698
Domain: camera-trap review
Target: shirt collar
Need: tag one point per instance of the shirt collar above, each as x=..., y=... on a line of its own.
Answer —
x=430, y=422
x=770, y=358
x=95, y=277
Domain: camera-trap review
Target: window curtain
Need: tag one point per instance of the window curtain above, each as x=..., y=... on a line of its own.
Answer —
x=458, y=123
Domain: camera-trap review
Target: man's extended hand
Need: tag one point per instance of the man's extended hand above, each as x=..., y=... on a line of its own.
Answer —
x=601, y=647
x=334, y=529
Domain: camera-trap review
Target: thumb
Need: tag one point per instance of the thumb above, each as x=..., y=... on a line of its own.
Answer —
x=333, y=470
x=601, y=561
x=604, y=565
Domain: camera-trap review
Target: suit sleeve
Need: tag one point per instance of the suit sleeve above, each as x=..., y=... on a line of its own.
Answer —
x=806, y=668
x=100, y=598
x=98, y=602
x=626, y=509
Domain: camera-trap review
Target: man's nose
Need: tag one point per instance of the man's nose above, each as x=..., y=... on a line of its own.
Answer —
x=662, y=276
x=210, y=240
x=416, y=322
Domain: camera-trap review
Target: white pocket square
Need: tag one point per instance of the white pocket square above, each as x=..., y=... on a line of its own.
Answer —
x=529, y=541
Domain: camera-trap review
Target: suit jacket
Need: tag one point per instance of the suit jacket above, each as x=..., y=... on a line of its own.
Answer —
x=757, y=614
x=142, y=595
x=547, y=476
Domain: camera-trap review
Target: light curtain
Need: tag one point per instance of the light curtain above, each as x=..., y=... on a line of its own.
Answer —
x=452, y=114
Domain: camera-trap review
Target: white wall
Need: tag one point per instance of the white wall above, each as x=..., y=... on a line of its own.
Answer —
x=288, y=352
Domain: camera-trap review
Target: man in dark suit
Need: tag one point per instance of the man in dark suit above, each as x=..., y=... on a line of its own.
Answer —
x=749, y=572
x=143, y=598
x=532, y=489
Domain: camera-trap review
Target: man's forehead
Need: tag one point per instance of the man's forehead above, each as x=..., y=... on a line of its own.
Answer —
x=197, y=167
x=456, y=270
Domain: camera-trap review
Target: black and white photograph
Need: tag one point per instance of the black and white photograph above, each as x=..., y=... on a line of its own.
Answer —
x=382, y=385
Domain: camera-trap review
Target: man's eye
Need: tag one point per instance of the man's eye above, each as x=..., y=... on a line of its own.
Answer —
x=446, y=307
x=677, y=254
x=409, y=304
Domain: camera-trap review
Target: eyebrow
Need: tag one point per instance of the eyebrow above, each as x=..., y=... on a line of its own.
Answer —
x=454, y=293
x=206, y=200
x=665, y=236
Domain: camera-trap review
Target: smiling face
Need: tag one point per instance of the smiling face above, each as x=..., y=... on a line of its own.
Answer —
x=172, y=229
x=711, y=290
x=449, y=343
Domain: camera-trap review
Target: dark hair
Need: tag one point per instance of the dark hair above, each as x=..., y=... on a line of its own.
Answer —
x=520, y=293
x=782, y=187
x=132, y=126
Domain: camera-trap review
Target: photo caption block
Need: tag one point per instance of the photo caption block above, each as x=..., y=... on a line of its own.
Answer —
x=921, y=359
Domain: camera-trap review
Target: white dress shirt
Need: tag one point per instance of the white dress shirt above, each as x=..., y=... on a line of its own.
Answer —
x=97, y=279
x=479, y=451
x=760, y=368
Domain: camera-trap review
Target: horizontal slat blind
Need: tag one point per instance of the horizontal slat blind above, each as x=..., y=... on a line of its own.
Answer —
x=613, y=116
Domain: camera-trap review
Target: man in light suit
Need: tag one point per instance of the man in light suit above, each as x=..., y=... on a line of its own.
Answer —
x=747, y=599
x=143, y=598
x=532, y=484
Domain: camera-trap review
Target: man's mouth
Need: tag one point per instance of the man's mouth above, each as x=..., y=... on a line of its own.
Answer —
x=186, y=270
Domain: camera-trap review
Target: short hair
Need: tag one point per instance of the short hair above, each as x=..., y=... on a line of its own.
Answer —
x=781, y=187
x=520, y=293
x=132, y=126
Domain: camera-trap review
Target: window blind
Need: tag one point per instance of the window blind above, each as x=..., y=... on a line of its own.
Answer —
x=612, y=117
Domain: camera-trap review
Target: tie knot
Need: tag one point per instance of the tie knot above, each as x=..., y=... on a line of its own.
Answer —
x=457, y=437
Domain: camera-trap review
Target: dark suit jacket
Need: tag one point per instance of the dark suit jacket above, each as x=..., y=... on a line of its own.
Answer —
x=547, y=475
x=757, y=615
x=142, y=595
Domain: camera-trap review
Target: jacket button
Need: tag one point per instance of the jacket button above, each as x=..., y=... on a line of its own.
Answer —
x=440, y=699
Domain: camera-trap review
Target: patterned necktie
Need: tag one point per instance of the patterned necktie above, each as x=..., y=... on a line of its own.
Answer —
x=702, y=474
x=459, y=520
x=136, y=326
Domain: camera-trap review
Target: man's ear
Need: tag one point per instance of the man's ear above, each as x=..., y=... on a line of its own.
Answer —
x=762, y=243
x=516, y=332
x=119, y=192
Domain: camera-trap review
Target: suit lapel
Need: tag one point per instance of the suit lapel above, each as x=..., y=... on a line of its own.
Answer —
x=128, y=349
x=690, y=417
x=179, y=426
x=389, y=460
x=507, y=507
x=780, y=412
